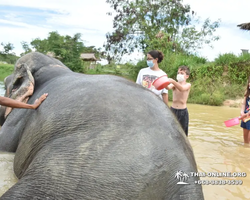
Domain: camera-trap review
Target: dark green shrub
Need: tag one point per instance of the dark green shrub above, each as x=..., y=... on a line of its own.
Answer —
x=207, y=70
x=239, y=72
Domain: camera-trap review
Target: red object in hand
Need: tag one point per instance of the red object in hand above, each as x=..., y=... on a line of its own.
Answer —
x=161, y=82
x=232, y=122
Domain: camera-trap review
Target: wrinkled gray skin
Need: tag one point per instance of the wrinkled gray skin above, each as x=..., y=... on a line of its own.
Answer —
x=95, y=137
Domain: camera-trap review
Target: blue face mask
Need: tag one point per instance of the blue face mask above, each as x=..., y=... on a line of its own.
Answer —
x=150, y=63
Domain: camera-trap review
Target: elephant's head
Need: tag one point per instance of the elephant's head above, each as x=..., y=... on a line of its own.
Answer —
x=19, y=86
x=32, y=69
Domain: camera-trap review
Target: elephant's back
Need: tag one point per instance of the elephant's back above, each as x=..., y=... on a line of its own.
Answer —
x=109, y=130
x=103, y=97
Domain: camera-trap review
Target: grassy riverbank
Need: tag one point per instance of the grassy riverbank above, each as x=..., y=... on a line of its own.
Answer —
x=213, y=83
x=5, y=70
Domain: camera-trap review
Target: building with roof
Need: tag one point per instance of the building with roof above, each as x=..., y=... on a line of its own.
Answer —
x=89, y=57
x=244, y=26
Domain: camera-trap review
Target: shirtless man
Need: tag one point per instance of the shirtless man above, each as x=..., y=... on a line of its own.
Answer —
x=181, y=91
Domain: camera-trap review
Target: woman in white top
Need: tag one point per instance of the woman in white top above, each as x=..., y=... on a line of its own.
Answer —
x=147, y=75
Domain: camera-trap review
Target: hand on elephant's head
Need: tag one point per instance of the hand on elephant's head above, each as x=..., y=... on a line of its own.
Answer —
x=40, y=100
x=20, y=85
x=32, y=70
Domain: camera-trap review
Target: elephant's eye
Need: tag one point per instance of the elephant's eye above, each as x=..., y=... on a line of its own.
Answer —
x=17, y=84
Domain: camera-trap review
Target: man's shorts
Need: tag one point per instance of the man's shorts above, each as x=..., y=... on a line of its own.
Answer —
x=183, y=117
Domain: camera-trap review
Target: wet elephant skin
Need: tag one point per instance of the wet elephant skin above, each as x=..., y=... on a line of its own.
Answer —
x=95, y=137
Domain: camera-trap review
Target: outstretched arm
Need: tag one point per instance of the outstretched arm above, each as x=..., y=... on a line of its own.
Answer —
x=179, y=86
x=170, y=87
x=8, y=102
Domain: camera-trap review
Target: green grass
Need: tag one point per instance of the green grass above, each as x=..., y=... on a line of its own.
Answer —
x=5, y=70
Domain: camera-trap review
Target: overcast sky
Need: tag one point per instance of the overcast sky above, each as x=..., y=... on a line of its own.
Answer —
x=25, y=20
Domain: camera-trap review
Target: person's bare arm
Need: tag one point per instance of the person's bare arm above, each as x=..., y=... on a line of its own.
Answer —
x=165, y=98
x=8, y=102
x=179, y=86
x=242, y=114
x=170, y=87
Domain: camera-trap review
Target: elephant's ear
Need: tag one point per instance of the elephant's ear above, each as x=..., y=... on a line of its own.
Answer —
x=22, y=85
x=7, y=82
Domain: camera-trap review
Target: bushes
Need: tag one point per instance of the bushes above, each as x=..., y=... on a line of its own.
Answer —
x=207, y=91
x=206, y=70
x=238, y=72
x=9, y=58
x=233, y=91
x=226, y=59
x=216, y=99
x=134, y=69
x=237, y=68
x=212, y=82
x=172, y=61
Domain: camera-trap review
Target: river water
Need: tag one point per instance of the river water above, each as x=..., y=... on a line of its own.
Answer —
x=216, y=148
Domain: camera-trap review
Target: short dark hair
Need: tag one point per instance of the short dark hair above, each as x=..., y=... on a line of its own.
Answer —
x=157, y=54
x=185, y=69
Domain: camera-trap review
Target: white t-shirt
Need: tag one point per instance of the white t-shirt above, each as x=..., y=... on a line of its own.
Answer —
x=146, y=76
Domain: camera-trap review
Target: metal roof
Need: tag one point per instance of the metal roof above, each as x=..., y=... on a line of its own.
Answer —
x=244, y=26
x=88, y=56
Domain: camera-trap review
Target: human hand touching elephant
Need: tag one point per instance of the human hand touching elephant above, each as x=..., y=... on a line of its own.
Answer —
x=8, y=102
x=39, y=101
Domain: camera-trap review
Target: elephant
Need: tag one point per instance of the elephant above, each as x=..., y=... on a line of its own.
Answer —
x=94, y=137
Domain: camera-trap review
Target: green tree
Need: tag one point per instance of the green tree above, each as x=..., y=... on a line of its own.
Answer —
x=65, y=48
x=26, y=48
x=7, y=48
x=139, y=21
x=163, y=42
x=6, y=54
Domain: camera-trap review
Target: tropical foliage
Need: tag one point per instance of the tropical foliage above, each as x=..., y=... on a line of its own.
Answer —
x=169, y=26
x=212, y=82
x=65, y=48
x=7, y=54
x=137, y=22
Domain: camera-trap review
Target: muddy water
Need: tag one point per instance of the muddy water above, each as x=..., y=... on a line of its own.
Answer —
x=216, y=148
x=7, y=177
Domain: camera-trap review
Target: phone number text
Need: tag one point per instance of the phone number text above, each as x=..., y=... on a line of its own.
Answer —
x=219, y=182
